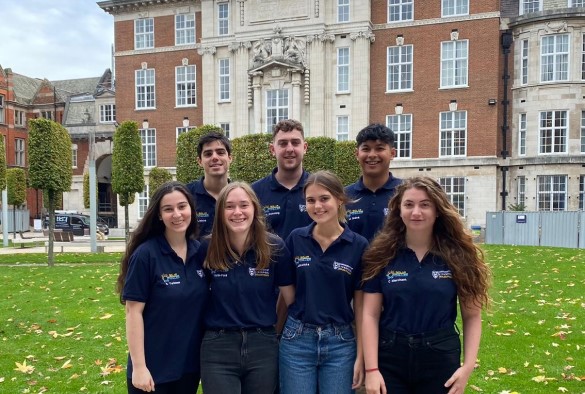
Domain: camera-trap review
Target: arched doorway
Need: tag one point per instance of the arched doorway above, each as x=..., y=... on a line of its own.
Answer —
x=107, y=199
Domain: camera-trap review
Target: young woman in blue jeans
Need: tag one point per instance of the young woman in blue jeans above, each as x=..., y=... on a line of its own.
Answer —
x=318, y=349
x=245, y=263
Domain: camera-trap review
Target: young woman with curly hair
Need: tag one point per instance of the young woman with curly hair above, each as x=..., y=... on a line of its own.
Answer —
x=416, y=270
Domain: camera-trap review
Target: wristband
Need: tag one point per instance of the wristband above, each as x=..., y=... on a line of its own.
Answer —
x=371, y=370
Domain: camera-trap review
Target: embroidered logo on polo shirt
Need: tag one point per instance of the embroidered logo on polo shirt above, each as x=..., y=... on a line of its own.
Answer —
x=171, y=279
x=386, y=210
x=396, y=276
x=270, y=210
x=302, y=261
x=264, y=273
x=202, y=217
x=348, y=269
x=302, y=208
x=353, y=214
x=446, y=274
x=201, y=273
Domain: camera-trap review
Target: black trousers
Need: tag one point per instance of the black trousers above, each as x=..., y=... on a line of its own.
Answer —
x=418, y=364
x=188, y=384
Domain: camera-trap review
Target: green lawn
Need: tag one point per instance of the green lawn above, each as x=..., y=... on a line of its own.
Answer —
x=62, y=328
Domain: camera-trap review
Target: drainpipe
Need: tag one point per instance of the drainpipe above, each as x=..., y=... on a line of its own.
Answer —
x=506, y=41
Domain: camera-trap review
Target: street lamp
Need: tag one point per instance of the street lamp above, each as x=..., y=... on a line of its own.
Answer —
x=92, y=191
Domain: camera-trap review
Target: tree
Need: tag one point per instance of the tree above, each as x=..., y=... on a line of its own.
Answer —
x=127, y=166
x=86, y=190
x=50, y=165
x=156, y=178
x=16, y=184
x=188, y=169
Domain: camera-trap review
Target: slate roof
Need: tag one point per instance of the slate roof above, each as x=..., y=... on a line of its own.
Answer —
x=70, y=87
x=25, y=88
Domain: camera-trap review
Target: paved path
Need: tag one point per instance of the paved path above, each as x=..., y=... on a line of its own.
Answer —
x=79, y=245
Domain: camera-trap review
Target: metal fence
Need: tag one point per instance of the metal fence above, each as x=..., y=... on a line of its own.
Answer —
x=22, y=220
x=564, y=229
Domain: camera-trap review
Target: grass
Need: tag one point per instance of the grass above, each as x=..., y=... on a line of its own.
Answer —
x=69, y=258
x=65, y=328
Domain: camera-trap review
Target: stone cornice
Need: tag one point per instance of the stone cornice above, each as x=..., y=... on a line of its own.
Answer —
x=436, y=21
x=122, y=6
x=159, y=50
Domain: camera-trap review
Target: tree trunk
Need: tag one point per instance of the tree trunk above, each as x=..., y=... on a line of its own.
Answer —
x=14, y=221
x=126, y=223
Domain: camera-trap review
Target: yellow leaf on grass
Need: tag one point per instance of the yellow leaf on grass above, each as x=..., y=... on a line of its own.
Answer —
x=563, y=389
x=539, y=378
x=1, y=379
x=66, y=365
x=106, y=316
x=24, y=368
x=59, y=358
x=502, y=370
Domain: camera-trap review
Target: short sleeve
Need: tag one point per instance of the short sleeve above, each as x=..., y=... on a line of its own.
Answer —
x=373, y=285
x=138, y=282
x=285, y=267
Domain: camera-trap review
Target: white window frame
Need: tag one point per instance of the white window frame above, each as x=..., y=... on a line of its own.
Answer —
x=454, y=69
x=582, y=131
x=576, y=3
x=277, y=107
x=223, y=19
x=47, y=115
x=523, y=9
x=524, y=62
x=342, y=128
x=226, y=127
x=401, y=125
x=399, y=68
x=343, y=69
x=453, y=134
x=74, y=156
x=19, y=152
x=402, y=9
x=145, y=86
x=148, y=139
x=186, y=86
x=107, y=113
x=343, y=11
x=455, y=188
x=553, y=132
x=224, y=72
x=583, y=57
x=185, y=29
x=521, y=190
x=19, y=118
x=2, y=110
x=144, y=33
x=582, y=192
x=522, y=126
x=454, y=8
x=551, y=192
x=143, y=201
x=180, y=130
x=555, y=65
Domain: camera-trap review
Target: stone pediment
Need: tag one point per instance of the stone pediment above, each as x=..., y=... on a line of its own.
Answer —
x=276, y=63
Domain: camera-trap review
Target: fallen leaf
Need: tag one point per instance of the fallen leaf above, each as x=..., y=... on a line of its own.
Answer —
x=24, y=368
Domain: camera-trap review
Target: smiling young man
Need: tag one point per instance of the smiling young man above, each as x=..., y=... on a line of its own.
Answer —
x=375, y=150
x=214, y=155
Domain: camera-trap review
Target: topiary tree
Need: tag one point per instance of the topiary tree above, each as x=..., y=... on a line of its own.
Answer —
x=50, y=165
x=252, y=158
x=127, y=166
x=156, y=178
x=347, y=167
x=188, y=170
x=86, y=190
x=320, y=154
x=16, y=183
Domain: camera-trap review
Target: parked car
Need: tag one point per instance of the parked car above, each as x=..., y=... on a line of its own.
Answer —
x=77, y=223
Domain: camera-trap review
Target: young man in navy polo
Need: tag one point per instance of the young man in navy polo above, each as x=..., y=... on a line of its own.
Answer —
x=214, y=155
x=372, y=192
x=281, y=192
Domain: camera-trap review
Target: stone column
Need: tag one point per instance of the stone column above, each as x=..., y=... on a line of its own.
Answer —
x=257, y=87
x=208, y=83
x=320, y=83
x=360, y=79
x=239, y=80
x=296, y=94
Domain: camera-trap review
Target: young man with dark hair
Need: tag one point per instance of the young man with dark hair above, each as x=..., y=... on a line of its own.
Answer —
x=375, y=150
x=214, y=155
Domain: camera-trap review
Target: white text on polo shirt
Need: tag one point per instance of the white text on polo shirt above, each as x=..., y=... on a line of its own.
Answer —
x=270, y=210
x=396, y=276
x=442, y=274
x=171, y=279
x=348, y=269
x=302, y=261
x=219, y=274
x=259, y=272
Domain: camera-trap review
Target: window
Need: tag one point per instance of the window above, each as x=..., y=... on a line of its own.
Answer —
x=521, y=190
x=148, y=137
x=342, y=10
x=399, y=75
x=455, y=189
x=582, y=192
x=185, y=82
x=401, y=125
x=527, y=6
x=223, y=19
x=144, y=33
x=276, y=107
x=143, y=200
x=582, y=131
x=2, y=117
x=583, y=57
x=224, y=79
x=524, y=72
x=19, y=152
x=552, y=193
x=342, y=70
x=47, y=115
x=454, y=63
x=74, y=156
x=184, y=29
x=553, y=132
x=145, y=93
x=342, y=133
x=181, y=130
x=226, y=129
x=107, y=113
x=454, y=7
x=19, y=118
x=522, y=135
x=554, y=58
x=577, y=3
x=399, y=10
x=453, y=133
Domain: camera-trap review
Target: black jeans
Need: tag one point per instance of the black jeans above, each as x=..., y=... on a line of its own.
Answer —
x=239, y=362
x=418, y=364
x=188, y=384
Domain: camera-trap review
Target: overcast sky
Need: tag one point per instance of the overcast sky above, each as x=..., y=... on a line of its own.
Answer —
x=55, y=39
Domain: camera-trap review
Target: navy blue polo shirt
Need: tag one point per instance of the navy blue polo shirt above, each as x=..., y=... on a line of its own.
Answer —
x=175, y=295
x=284, y=209
x=366, y=216
x=244, y=297
x=204, y=207
x=417, y=297
x=326, y=281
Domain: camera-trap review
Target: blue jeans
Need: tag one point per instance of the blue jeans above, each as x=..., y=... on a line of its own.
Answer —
x=316, y=358
x=239, y=362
